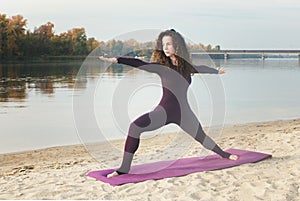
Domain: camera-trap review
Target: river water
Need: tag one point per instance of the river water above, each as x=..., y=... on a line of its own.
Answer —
x=36, y=99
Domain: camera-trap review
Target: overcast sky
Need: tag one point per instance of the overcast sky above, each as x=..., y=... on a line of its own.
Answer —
x=233, y=24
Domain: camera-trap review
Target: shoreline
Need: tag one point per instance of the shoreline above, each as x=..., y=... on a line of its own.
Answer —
x=59, y=172
x=42, y=59
x=170, y=133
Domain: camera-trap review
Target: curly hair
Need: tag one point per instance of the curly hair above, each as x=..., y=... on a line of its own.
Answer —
x=181, y=53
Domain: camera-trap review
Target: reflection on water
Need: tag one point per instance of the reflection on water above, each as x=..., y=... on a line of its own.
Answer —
x=17, y=80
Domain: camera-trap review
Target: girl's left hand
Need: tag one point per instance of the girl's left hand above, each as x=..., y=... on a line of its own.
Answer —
x=112, y=60
x=222, y=70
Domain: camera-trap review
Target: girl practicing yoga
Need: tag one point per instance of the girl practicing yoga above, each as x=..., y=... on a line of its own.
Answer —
x=171, y=61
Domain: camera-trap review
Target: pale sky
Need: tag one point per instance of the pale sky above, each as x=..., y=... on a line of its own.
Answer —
x=233, y=24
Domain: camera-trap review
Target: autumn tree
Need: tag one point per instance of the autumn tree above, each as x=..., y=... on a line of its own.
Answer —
x=12, y=34
x=78, y=41
x=43, y=35
x=3, y=34
x=17, y=42
x=92, y=43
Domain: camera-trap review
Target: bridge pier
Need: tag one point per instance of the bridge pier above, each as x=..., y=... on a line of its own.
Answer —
x=263, y=56
x=225, y=56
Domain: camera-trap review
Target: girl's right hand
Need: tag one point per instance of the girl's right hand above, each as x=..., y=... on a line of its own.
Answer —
x=112, y=60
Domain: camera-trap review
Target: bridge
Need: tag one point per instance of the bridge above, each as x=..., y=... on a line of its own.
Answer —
x=225, y=54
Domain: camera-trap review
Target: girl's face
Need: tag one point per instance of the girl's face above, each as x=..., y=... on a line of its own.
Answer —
x=168, y=46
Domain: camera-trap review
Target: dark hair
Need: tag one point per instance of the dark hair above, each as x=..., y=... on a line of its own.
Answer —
x=181, y=53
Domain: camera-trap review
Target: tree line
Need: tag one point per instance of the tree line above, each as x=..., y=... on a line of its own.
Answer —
x=18, y=43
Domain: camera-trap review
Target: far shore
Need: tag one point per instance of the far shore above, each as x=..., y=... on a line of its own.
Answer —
x=43, y=59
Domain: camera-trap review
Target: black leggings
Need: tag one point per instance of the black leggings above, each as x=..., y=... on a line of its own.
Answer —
x=162, y=115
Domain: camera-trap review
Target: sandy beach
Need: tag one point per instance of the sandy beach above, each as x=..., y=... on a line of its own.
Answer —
x=59, y=172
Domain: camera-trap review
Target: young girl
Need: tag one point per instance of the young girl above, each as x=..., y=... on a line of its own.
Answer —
x=171, y=61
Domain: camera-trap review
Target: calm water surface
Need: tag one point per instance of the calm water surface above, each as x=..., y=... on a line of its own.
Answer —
x=36, y=98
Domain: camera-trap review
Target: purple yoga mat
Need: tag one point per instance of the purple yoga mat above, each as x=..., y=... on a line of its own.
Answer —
x=178, y=167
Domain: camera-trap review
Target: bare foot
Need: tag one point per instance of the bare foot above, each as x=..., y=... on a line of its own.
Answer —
x=233, y=157
x=114, y=174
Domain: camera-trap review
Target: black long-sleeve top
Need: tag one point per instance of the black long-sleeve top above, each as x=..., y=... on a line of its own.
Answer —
x=173, y=83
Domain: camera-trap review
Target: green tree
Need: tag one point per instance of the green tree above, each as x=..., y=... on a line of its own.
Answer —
x=61, y=44
x=31, y=45
x=44, y=34
x=4, y=21
x=92, y=43
x=216, y=48
x=130, y=46
x=78, y=41
x=16, y=35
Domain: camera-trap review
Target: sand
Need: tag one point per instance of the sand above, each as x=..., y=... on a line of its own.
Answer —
x=59, y=172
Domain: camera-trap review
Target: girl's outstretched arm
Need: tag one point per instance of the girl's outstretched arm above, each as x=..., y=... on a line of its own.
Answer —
x=206, y=69
x=137, y=63
x=125, y=60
